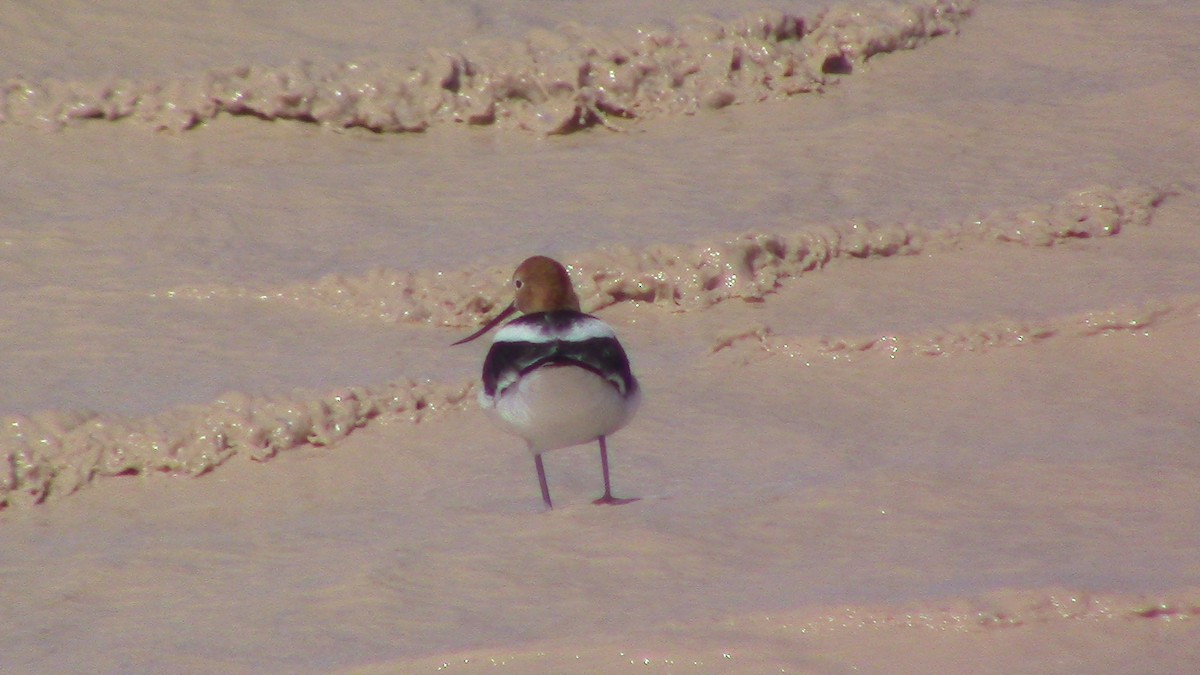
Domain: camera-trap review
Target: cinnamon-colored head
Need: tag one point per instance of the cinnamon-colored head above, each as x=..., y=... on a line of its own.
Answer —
x=542, y=285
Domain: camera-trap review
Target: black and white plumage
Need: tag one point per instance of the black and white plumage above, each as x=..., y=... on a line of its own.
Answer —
x=556, y=377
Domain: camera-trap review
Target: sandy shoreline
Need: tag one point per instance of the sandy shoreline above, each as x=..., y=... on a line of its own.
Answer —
x=918, y=354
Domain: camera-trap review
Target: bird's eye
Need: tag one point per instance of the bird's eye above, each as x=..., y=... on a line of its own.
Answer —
x=518, y=283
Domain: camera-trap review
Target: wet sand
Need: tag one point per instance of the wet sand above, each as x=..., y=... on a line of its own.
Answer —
x=918, y=354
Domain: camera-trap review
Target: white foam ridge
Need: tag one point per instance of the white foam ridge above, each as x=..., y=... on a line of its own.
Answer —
x=688, y=277
x=552, y=82
x=55, y=453
x=961, y=338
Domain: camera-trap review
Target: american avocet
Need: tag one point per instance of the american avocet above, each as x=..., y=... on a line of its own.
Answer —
x=556, y=377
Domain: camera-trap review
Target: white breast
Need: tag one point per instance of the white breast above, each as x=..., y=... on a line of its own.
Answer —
x=561, y=406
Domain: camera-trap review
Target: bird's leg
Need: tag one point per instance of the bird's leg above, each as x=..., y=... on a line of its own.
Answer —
x=608, y=498
x=537, y=460
x=604, y=468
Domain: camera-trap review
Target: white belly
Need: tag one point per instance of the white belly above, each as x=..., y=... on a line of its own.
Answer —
x=560, y=406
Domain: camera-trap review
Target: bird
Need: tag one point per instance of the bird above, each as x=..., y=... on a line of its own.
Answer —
x=555, y=376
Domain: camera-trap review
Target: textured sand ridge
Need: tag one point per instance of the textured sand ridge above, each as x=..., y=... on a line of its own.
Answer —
x=969, y=337
x=809, y=640
x=688, y=277
x=553, y=82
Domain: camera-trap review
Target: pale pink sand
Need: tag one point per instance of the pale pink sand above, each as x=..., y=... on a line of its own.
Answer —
x=979, y=456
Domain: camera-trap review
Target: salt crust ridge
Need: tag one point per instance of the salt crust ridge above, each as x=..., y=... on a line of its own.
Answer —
x=686, y=277
x=961, y=338
x=55, y=453
x=761, y=640
x=1012, y=608
x=552, y=82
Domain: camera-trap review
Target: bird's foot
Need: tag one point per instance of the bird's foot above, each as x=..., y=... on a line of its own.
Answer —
x=615, y=501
